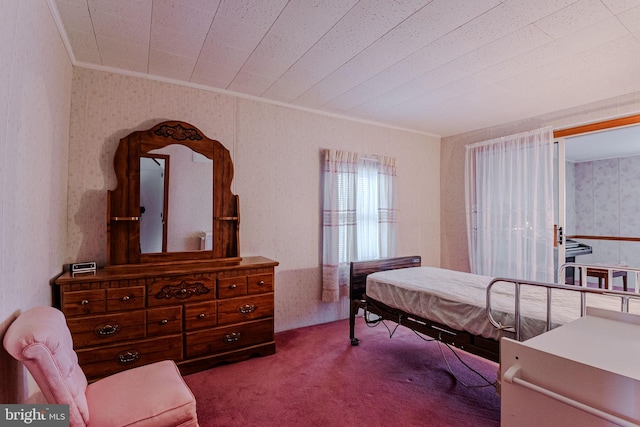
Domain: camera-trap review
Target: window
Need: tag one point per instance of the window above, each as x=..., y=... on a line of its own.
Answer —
x=358, y=216
x=367, y=205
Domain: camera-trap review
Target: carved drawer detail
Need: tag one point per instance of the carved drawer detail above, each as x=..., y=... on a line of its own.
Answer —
x=181, y=290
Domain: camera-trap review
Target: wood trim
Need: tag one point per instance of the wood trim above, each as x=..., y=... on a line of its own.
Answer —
x=124, y=202
x=593, y=127
x=617, y=238
x=359, y=270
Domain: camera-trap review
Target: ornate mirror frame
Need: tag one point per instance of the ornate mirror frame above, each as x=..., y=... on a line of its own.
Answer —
x=123, y=203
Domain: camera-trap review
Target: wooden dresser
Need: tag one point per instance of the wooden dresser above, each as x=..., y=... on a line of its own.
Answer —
x=197, y=313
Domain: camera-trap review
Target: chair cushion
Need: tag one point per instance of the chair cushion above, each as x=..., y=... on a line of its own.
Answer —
x=40, y=339
x=168, y=401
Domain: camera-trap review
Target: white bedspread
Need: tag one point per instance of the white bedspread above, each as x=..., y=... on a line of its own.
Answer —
x=458, y=300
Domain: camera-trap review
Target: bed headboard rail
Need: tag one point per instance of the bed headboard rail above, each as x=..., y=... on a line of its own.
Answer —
x=360, y=269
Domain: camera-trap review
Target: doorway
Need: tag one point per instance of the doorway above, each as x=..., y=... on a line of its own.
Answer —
x=600, y=176
x=154, y=184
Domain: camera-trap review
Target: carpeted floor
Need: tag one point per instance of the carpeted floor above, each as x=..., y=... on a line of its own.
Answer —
x=316, y=378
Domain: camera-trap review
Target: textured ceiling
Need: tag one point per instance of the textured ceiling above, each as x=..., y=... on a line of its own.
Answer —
x=443, y=66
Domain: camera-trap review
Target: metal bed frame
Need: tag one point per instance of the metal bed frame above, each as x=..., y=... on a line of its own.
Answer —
x=483, y=347
x=624, y=296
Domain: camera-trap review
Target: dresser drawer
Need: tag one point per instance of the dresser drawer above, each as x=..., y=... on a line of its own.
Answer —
x=201, y=315
x=259, y=283
x=164, y=321
x=230, y=287
x=245, y=308
x=77, y=303
x=220, y=340
x=107, y=328
x=125, y=298
x=103, y=361
x=180, y=289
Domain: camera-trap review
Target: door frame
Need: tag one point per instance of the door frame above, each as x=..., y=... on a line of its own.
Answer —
x=559, y=136
x=559, y=206
x=597, y=126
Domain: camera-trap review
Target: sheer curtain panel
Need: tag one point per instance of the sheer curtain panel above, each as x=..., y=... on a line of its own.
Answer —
x=358, y=215
x=509, y=206
x=387, y=221
x=340, y=185
x=367, y=212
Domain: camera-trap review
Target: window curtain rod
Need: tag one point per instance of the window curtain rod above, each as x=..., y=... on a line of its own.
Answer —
x=490, y=142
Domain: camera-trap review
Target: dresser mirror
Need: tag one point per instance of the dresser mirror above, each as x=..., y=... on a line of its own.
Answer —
x=173, y=200
x=170, y=179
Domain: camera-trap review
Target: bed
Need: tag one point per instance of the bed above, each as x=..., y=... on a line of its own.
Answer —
x=469, y=311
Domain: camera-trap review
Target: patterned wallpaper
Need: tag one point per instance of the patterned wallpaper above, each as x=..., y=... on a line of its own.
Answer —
x=606, y=202
x=276, y=154
x=106, y=107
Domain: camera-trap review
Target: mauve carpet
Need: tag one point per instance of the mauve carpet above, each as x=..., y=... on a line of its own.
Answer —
x=316, y=378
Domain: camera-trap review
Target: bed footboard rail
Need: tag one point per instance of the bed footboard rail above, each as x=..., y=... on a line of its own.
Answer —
x=624, y=296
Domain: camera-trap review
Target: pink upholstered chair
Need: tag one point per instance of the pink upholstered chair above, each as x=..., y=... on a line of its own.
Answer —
x=150, y=395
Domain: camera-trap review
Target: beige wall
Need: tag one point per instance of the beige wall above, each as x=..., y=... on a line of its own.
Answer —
x=35, y=92
x=453, y=232
x=276, y=154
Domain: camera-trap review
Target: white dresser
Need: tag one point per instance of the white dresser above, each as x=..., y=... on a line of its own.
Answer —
x=585, y=373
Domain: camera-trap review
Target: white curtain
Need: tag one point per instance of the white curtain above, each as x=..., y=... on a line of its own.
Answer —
x=367, y=213
x=509, y=206
x=358, y=217
x=387, y=222
x=340, y=184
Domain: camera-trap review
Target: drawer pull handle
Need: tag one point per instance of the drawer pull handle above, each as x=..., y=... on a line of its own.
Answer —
x=261, y=283
x=126, y=298
x=232, y=337
x=108, y=330
x=128, y=357
x=233, y=286
x=201, y=316
x=84, y=302
x=247, y=308
x=164, y=321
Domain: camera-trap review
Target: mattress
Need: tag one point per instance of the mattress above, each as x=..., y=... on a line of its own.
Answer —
x=458, y=300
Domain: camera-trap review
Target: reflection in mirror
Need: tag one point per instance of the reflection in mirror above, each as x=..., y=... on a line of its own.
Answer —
x=189, y=187
x=154, y=186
